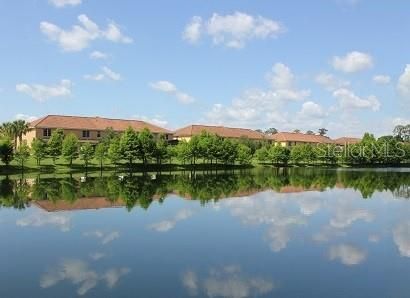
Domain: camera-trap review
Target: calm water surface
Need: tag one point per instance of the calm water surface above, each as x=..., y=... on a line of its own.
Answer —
x=262, y=233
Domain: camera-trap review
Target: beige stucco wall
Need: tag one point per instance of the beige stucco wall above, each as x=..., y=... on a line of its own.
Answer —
x=38, y=133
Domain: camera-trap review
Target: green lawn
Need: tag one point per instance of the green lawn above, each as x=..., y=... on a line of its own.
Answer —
x=62, y=167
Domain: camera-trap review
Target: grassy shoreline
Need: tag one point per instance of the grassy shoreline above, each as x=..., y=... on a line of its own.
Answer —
x=78, y=167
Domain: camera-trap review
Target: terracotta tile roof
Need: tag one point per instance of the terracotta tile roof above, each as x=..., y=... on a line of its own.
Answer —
x=80, y=204
x=222, y=131
x=94, y=123
x=300, y=137
x=346, y=140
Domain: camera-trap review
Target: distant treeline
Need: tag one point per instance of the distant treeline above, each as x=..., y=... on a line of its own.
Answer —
x=143, y=190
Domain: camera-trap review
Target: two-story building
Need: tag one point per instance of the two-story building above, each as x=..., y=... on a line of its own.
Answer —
x=87, y=129
x=186, y=133
x=289, y=139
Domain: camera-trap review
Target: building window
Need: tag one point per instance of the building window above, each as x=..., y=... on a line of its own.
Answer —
x=98, y=134
x=46, y=132
x=86, y=134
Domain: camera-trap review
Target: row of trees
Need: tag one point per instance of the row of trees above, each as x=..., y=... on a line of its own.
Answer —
x=384, y=150
x=131, y=147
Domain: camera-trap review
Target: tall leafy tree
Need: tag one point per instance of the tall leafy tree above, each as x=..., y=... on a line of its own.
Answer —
x=55, y=144
x=271, y=131
x=39, y=150
x=101, y=154
x=114, y=150
x=70, y=148
x=322, y=131
x=86, y=153
x=130, y=146
x=161, y=151
x=278, y=154
x=244, y=154
x=147, y=145
x=22, y=154
x=6, y=151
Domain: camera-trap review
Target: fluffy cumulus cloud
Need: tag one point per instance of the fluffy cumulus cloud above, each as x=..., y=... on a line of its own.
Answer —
x=401, y=237
x=346, y=214
x=347, y=254
x=348, y=100
x=263, y=209
x=170, y=88
x=62, y=3
x=105, y=74
x=228, y=281
x=43, y=92
x=98, y=55
x=232, y=30
x=257, y=107
x=381, y=79
x=403, y=85
x=311, y=109
x=167, y=225
x=81, y=35
x=330, y=82
x=81, y=275
x=353, y=62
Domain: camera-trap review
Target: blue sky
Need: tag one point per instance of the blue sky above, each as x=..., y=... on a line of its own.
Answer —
x=339, y=64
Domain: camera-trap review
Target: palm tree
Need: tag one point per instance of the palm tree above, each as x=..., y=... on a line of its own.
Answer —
x=21, y=128
x=7, y=130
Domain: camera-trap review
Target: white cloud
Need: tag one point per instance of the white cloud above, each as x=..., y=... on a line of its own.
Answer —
x=62, y=3
x=233, y=30
x=228, y=281
x=157, y=120
x=190, y=282
x=40, y=218
x=97, y=256
x=403, y=85
x=80, y=36
x=98, y=55
x=192, y=32
x=348, y=100
x=398, y=121
x=381, y=79
x=330, y=82
x=25, y=117
x=258, y=108
x=347, y=254
x=79, y=274
x=311, y=109
x=104, y=236
x=262, y=209
x=164, y=86
x=170, y=88
x=353, y=62
x=106, y=74
x=401, y=237
x=112, y=276
x=346, y=215
x=43, y=92
x=167, y=225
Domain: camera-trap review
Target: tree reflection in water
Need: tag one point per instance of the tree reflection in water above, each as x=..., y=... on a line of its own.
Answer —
x=137, y=190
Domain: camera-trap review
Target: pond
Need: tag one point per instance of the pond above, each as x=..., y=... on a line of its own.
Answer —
x=255, y=233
